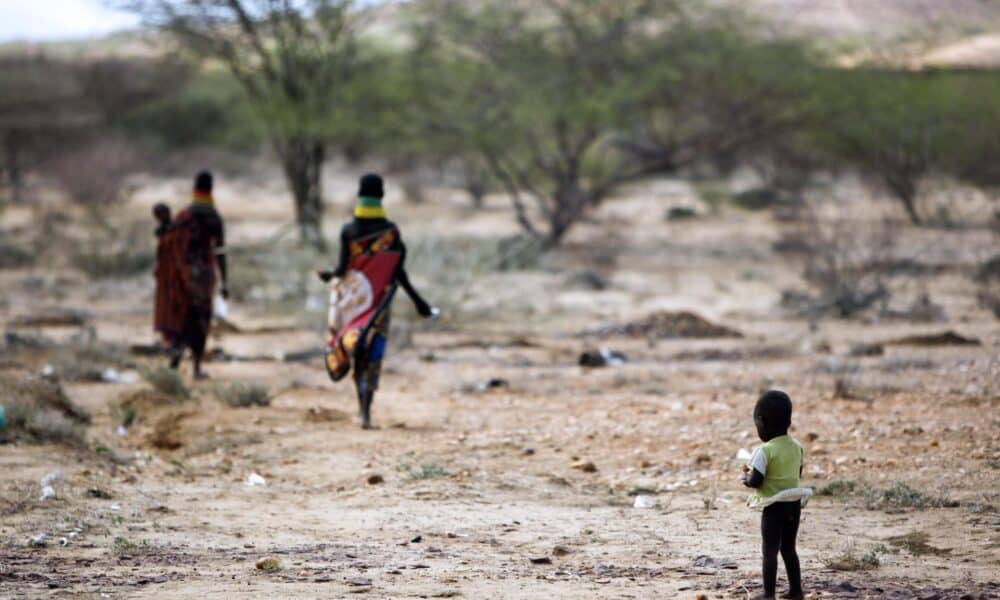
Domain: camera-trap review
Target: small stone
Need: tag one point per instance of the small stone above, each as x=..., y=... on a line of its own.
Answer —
x=561, y=551
x=934, y=442
x=812, y=436
x=540, y=560
x=417, y=539
x=529, y=452
x=98, y=493
x=359, y=582
x=586, y=467
x=269, y=564
x=375, y=479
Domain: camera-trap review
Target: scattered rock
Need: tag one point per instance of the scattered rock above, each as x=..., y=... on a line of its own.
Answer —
x=375, y=479
x=98, y=493
x=561, y=551
x=812, y=436
x=603, y=357
x=540, y=560
x=947, y=338
x=57, y=317
x=528, y=452
x=495, y=383
x=359, y=582
x=585, y=466
x=318, y=414
x=268, y=564
x=587, y=279
x=255, y=480
x=864, y=349
x=681, y=213
x=707, y=562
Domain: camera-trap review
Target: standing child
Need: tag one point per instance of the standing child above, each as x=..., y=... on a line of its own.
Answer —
x=774, y=470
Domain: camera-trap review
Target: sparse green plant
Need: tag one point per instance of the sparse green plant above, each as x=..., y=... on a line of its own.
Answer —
x=242, y=395
x=424, y=471
x=850, y=560
x=837, y=487
x=99, y=264
x=39, y=411
x=123, y=546
x=166, y=380
x=901, y=495
x=13, y=256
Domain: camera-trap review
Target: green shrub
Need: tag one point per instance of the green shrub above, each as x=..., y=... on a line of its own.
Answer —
x=242, y=395
x=166, y=380
x=39, y=411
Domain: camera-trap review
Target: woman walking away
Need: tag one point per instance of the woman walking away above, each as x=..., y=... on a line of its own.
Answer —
x=189, y=248
x=362, y=288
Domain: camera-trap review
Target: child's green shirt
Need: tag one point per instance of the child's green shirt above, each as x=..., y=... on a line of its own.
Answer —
x=779, y=460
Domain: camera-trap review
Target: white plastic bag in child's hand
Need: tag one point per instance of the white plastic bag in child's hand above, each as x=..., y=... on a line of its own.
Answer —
x=220, y=308
x=743, y=455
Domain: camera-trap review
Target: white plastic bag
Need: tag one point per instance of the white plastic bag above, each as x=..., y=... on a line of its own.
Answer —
x=220, y=308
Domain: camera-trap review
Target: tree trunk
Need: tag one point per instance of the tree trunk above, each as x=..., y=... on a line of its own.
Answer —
x=12, y=166
x=302, y=160
x=905, y=190
x=570, y=203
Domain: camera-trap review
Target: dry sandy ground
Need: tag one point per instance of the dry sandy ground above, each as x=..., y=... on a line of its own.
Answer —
x=475, y=484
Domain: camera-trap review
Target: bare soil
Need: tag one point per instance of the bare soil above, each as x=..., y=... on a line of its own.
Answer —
x=473, y=489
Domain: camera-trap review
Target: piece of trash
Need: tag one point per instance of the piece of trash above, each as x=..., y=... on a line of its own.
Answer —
x=115, y=506
x=540, y=560
x=3, y=417
x=39, y=541
x=48, y=371
x=51, y=478
x=602, y=357
x=495, y=383
x=269, y=564
x=63, y=541
x=110, y=375
x=644, y=501
x=120, y=431
x=417, y=539
x=47, y=492
x=743, y=454
x=255, y=480
x=220, y=308
x=435, y=312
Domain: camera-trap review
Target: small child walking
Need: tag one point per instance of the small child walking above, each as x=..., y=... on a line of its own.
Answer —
x=774, y=470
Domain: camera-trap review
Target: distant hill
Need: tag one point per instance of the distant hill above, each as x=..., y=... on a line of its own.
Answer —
x=912, y=33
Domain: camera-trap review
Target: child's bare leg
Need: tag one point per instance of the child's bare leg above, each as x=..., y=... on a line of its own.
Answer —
x=770, y=531
x=790, y=529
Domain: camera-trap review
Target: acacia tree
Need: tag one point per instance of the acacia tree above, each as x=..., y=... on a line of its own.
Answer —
x=297, y=61
x=536, y=93
x=568, y=100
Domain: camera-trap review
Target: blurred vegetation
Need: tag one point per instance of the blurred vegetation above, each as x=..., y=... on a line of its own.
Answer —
x=558, y=104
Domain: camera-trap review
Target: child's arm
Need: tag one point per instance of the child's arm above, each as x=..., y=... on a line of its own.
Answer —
x=753, y=479
x=755, y=469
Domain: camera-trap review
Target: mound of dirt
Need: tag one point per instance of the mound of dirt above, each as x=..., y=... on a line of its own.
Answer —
x=144, y=401
x=947, y=338
x=167, y=432
x=669, y=324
